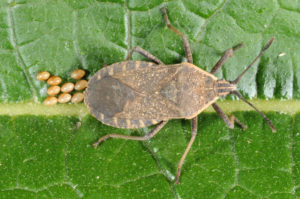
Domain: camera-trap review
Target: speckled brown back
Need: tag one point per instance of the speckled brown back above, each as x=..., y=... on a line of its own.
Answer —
x=135, y=94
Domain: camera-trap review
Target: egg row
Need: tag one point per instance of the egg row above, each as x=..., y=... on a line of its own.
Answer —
x=67, y=87
x=55, y=80
x=64, y=98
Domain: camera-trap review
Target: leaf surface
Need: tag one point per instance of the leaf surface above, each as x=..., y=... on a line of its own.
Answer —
x=48, y=154
x=52, y=156
x=64, y=35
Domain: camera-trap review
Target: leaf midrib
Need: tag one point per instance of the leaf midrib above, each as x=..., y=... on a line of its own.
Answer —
x=30, y=108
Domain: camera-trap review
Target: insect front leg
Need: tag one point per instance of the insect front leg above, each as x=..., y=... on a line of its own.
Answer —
x=144, y=53
x=228, y=122
x=194, y=133
x=228, y=53
x=187, y=48
x=148, y=136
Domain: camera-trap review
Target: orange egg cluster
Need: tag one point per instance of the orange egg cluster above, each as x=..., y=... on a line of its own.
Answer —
x=64, y=93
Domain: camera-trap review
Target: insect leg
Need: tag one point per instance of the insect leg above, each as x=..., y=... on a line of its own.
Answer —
x=228, y=53
x=149, y=135
x=228, y=122
x=187, y=48
x=238, y=94
x=145, y=54
x=194, y=133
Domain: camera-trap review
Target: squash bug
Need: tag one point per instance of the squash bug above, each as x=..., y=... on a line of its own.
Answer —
x=137, y=94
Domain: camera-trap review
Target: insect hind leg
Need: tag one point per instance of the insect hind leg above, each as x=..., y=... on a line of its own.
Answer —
x=144, y=53
x=229, y=122
x=148, y=136
x=194, y=134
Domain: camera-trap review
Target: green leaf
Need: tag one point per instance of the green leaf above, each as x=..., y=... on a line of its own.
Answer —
x=46, y=152
x=60, y=36
x=52, y=156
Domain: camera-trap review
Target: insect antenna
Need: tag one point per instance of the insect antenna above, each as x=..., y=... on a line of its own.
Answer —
x=238, y=94
x=236, y=81
x=256, y=58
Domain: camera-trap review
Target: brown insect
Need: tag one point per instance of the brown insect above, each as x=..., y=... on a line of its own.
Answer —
x=137, y=94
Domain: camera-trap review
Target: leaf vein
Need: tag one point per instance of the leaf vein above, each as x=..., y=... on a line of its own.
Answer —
x=17, y=52
x=75, y=39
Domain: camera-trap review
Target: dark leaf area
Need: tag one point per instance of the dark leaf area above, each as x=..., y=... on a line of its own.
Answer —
x=52, y=157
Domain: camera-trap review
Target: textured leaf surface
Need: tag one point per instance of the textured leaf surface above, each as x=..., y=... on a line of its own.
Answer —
x=60, y=36
x=52, y=157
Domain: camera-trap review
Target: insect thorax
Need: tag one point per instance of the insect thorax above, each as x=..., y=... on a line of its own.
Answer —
x=224, y=87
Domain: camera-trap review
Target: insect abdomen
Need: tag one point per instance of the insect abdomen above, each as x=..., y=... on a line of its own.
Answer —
x=107, y=96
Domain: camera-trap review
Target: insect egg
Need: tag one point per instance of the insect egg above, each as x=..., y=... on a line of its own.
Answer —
x=67, y=87
x=78, y=74
x=81, y=84
x=77, y=98
x=64, y=98
x=54, y=80
x=50, y=101
x=53, y=90
x=42, y=76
